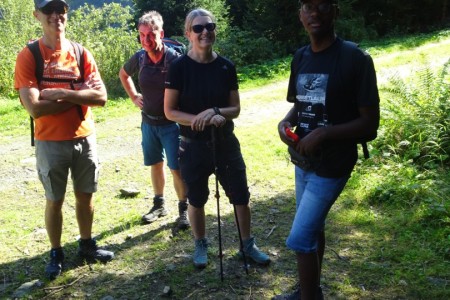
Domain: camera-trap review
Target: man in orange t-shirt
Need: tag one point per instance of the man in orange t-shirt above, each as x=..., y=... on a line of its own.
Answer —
x=64, y=128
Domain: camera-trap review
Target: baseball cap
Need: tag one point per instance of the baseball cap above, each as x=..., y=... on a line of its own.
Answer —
x=41, y=3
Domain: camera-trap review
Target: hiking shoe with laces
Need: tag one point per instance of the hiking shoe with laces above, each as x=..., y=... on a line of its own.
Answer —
x=201, y=253
x=156, y=211
x=296, y=295
x=88, y=250
x=182, y=220
x=251, y=251
x=54, y=267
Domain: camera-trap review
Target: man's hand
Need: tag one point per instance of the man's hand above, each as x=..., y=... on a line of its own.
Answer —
x=282, y=126
x=53, y=94
x=138, y=100
x=311, y=143
x=92, y=82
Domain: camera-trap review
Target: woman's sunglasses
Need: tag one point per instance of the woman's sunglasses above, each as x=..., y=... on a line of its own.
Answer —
x=199, y=28
x=60, y=9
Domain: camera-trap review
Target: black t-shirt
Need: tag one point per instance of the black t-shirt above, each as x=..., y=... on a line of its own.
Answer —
x=327, y=88
x=151, y=78
x=202, y=86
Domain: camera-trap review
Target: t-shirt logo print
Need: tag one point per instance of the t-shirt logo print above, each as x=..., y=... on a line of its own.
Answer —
x=311, y=95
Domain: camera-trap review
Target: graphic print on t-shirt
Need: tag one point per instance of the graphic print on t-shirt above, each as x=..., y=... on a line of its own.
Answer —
x=311, y=95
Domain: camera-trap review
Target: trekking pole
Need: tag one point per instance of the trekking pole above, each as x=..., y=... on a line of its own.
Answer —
x=214, y=151
x=240, y=240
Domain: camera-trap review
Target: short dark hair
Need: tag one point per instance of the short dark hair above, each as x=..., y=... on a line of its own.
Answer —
x=302, y=1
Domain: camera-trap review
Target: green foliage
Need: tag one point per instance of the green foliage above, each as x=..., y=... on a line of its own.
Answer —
x=174, y=13
x=417, y=117
x=266, y=71
x=17, y=27
x=110, y=39
x=74, y=4
x=244, y=48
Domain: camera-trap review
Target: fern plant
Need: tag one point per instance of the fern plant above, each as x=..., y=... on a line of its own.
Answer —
x=416, y=117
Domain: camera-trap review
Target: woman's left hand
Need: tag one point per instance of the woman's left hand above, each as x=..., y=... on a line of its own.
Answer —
x=202, y=120
x=218, y=120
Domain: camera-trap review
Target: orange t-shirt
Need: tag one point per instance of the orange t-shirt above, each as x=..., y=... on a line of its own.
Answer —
x=61, y=64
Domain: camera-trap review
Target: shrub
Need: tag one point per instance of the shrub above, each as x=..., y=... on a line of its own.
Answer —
x=417, y=117
x=109, y=38
x=244, y=47
x=17, y=26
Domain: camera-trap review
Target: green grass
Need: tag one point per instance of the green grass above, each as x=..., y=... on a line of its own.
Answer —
x=388, y=234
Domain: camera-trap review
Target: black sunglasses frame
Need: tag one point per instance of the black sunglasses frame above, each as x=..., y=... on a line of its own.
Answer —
x=323, y=8
x=199, y=27
x=60, y=9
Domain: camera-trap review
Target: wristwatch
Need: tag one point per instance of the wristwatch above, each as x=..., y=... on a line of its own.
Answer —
x=216, y=110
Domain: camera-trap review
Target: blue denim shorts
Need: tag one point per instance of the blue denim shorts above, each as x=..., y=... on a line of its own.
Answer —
x=54, y=159
x=160, y=141
x=314, y=197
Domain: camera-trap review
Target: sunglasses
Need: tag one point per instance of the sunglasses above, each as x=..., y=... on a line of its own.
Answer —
x=60, y=9
x=322, y=8
x=199, y=28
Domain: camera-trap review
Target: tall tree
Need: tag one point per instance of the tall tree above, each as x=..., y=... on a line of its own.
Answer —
x=174, y=12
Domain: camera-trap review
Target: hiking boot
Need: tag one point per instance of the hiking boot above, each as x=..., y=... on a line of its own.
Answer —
x=156, y=211
x=54, y=267
x=201, y=253
x=88, y=250
x=182, y=220
x=252, y=251
x=296, y=295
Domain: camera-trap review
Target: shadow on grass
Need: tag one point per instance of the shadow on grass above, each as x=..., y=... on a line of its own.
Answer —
x=359, y=262
x=146, y=263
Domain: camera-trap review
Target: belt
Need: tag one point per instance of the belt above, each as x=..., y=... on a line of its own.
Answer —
x=155, y=118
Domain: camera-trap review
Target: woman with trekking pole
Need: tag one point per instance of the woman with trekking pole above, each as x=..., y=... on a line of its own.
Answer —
x=202, y=95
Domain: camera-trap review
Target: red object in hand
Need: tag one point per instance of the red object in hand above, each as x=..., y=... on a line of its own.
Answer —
x=292, y=135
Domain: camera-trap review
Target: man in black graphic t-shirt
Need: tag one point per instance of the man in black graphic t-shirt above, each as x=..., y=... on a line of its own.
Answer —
x=335, y=95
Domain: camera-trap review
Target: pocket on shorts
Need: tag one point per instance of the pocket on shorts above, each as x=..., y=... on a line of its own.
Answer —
x=44, y=177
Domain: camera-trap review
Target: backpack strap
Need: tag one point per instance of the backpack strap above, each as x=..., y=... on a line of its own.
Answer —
x=79, y=54
x=39, y=73
x=38, y=59
x=345, y=59
x=169, y=56
x=141, y=58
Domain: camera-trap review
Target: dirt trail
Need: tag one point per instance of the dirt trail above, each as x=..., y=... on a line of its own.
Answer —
x=121, y=137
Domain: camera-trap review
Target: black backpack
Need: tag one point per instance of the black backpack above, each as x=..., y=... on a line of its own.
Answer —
x=39, y=73
x=345, y=59
x=175, y=45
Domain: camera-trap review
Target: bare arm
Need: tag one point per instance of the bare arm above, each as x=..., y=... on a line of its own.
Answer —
x=92, y=93
x=209, y=116
x=129, y=87
x=38, y=107
x=171, y=108
x=197, y=122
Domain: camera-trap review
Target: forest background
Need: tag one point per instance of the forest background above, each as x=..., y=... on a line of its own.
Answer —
x=250, y=31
